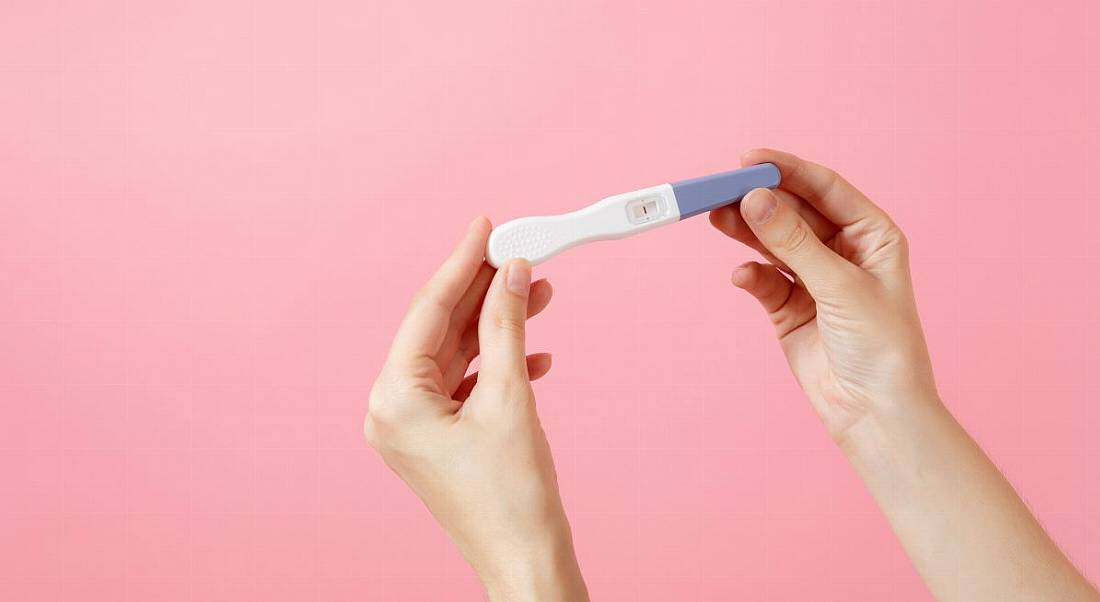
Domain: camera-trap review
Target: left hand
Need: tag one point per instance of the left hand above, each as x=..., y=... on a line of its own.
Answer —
x=471, y=447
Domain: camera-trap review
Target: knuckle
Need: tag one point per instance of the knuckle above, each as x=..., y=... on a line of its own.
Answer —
x=383, y=412
x=509, y=324
x=377, y=397
x=380, y=413
x=851, y=285
x=383, y=429
x=902, y=240
x=832, y=181
x=370, y=431
x=375, y=423
x=893, y=238
x=795, y=240
x=798, y=171
x=509, y=385
x=381, y=417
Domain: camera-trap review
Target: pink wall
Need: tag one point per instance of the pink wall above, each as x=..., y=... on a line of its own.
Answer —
x=212, y=214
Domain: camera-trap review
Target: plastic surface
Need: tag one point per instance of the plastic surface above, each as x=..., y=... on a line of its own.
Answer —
x=698, y=195
x=539, y=238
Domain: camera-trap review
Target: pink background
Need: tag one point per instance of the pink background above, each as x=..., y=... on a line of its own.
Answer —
x=213, y=213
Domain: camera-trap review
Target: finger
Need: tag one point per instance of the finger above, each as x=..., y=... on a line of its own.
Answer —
x=502, y=324
x=463, y=328
x=783, y=232
x=541, y=294
x=822, y=187
x=538, y=300
x=425, y=324
x=468, y=349
x=538, y=365
x=729, y=217
x=788, y=305
x=770, y=287
x=465, y=311
x=729, y=221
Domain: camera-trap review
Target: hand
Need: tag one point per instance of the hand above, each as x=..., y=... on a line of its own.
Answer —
x=471, y=447
x=845, y=318
x=848, y=324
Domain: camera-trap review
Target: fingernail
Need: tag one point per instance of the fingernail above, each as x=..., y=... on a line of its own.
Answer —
x=759, y=205
x=519, y=276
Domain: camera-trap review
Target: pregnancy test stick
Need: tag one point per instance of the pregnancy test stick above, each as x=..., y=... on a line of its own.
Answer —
x=539, y=238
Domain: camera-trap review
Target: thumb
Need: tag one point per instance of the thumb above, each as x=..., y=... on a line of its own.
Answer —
x=787, y=236
x=501, y=327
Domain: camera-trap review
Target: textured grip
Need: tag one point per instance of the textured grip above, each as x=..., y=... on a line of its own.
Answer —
x=538, y=238
x=529, y=241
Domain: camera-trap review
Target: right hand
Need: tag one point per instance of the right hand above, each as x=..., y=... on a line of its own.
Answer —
x=846, y=317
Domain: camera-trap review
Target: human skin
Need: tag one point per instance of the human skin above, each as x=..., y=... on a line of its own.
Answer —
x=837, y=288
x=847, y=321
x=471, y=447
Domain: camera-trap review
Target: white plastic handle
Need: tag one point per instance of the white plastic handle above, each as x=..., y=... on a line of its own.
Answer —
x=539, y=238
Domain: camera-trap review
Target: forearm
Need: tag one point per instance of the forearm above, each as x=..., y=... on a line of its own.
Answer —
x=963, y=526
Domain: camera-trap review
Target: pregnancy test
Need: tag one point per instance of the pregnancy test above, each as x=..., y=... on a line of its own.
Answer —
x=539, y=238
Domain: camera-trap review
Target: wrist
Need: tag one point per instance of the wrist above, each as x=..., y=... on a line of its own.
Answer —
x=904, y=447
x=542, y=569
x=888, y=425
